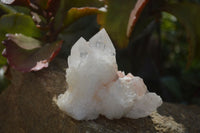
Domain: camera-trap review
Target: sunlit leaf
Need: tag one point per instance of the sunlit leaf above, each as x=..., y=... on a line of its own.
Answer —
x=187, y=14
x=24, y=42
x=135, y=13
x=27, y=58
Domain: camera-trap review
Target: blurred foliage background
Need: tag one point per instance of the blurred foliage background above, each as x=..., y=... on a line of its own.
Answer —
x=163, y=47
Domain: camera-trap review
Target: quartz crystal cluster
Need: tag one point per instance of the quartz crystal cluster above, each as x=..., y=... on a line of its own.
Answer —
x=96, y=87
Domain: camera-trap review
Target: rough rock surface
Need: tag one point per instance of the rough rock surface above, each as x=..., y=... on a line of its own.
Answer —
x=26, y=106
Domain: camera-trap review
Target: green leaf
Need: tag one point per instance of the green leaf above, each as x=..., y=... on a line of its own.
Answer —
x=187, y=14
x=116, y=19
x=17, y=23
x=75, y=13
x=6, y=8
x=22, y=9
x=14, y=9
x=66, y=5
x=43, y=3
x=2, y=60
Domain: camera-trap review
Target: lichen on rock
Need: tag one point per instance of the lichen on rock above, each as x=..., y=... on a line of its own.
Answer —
x=96, y=87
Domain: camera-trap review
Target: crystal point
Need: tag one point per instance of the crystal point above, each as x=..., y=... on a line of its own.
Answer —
x=97, y=87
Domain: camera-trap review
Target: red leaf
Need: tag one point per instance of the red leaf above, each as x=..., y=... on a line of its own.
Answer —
x=135, y=13
x=49, y=5
x=27, y=60
x=53, y=6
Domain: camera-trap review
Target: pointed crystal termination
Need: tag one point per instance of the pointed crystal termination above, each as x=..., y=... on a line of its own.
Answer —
x=97, y=87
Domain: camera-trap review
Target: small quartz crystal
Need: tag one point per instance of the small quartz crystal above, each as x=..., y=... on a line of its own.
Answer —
x=96, y=87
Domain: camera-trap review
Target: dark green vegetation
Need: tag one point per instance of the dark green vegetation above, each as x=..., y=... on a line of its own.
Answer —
x=159, y=41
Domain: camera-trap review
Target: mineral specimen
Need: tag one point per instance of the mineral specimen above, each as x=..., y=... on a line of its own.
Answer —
x=96, y=87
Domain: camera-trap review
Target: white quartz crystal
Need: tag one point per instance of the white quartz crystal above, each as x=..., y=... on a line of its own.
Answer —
x=96, y=87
